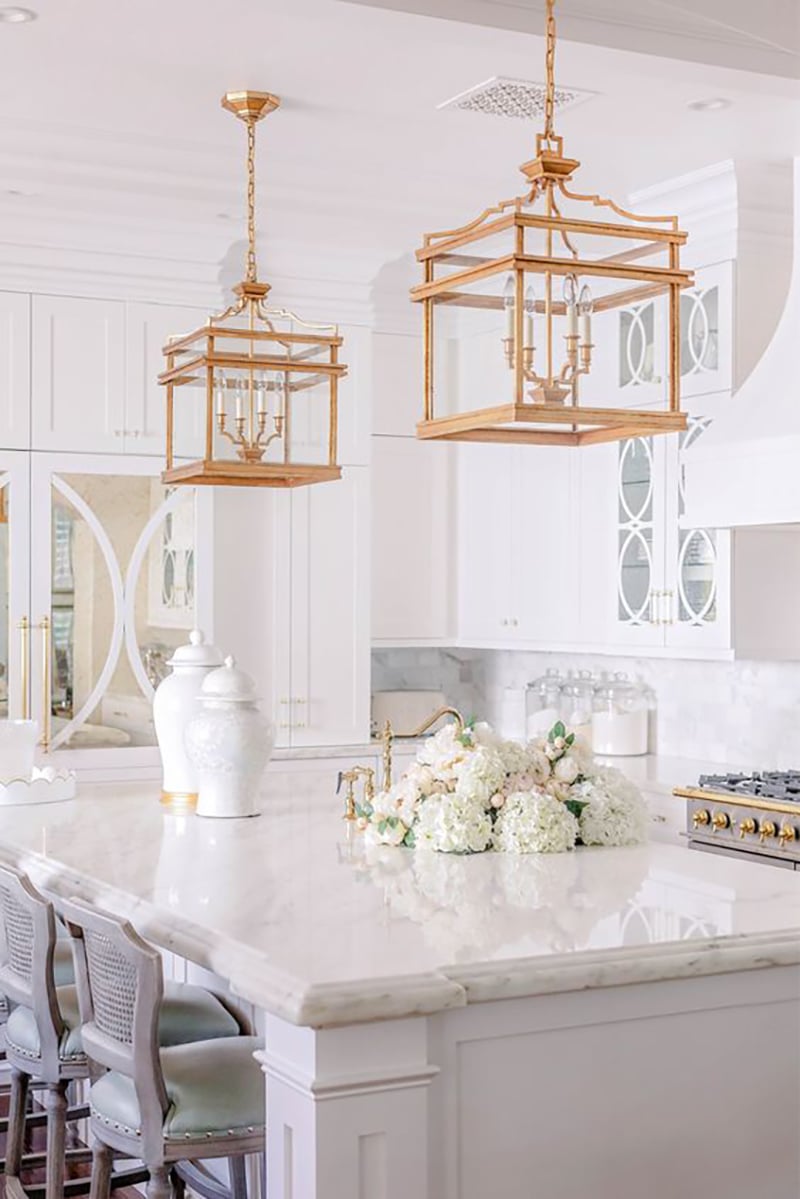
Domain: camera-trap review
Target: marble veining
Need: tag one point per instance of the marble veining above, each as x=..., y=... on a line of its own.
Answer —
x=304, y=923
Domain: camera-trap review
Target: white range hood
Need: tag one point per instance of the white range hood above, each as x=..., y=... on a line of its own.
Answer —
x=745, y=470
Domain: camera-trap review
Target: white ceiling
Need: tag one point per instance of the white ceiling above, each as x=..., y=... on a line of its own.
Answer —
x=112, y=135
x=761, y=37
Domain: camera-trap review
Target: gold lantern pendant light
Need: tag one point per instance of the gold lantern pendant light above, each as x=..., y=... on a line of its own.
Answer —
x=268, y=381
x=516, y=302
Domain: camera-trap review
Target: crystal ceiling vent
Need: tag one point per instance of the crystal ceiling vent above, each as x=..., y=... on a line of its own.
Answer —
x=517, y=98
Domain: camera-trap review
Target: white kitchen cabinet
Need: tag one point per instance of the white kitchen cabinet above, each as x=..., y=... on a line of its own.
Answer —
x=397, y=383
x=518, y=572
x=291, y=602
x=487, y=567
x=355, y=396
x=329, y=579
x=78, y=374
x=147, y=329
x=98, y=524
x=646, y=581
x=412, y=551
x=15, y=546
x=15, y=371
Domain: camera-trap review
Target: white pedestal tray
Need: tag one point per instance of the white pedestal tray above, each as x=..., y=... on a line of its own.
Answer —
x=44, y=786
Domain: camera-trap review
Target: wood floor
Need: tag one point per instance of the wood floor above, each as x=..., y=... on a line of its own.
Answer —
x=37, y=1140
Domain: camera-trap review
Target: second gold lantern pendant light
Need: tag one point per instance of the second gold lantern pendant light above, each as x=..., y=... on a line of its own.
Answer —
x=268, y=382
x=515, y=303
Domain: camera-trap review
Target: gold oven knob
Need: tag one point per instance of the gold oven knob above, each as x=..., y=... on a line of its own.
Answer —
x=720, y=820
x=701, y=816
x=787, y=834
x=748, y=825
x=768, y=829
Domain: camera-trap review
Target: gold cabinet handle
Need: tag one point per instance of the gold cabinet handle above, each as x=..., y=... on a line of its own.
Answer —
x=47, y=637
x=24, y=654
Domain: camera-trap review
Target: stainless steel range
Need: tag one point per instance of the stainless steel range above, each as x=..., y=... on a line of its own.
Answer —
x=756, y=815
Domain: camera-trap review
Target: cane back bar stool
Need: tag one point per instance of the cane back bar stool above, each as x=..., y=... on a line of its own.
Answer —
x=159, y=1105
x=43, y=1034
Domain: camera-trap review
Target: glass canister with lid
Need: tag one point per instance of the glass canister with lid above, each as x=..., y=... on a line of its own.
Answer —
x=620, y=717
x=577, y=702
x=543, y=703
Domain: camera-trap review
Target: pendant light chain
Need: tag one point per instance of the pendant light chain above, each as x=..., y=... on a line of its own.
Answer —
x=251, y=202
x=550, y=59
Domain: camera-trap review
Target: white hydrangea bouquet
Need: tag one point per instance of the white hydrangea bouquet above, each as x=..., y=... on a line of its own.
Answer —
x=470, y=791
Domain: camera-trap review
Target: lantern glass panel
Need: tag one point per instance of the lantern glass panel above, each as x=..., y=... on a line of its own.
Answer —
x=474, y=253
x=470, y=331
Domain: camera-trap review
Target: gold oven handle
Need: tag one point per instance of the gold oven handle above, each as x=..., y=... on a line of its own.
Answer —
x=24, y=627
x=46, y=628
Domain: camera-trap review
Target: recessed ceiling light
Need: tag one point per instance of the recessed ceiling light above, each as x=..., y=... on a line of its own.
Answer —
x=712, y=105
x=11, y=15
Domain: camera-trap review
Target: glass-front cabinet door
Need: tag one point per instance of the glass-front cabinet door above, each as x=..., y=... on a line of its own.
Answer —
x=698, y=563
x=640, y=540
x=116, y=584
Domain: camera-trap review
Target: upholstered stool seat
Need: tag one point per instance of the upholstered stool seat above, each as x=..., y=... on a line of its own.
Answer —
x=188, y=1014
x=213, y=1090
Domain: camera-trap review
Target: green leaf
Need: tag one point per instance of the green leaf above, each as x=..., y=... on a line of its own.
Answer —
x=382, y=827
x=571, y=739
x=575, y=806
x=558, y=730
x=364, y=810
x=409, y=839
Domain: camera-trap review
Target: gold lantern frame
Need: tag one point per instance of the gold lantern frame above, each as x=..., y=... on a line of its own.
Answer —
x=245, y=339
x=454, y=262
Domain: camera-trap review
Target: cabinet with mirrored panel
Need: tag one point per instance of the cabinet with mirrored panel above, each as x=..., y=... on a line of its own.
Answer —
x=119, y=575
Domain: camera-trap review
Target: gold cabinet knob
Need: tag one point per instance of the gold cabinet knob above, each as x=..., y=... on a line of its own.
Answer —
x=768, y=829
x=720, y=820
x=748, y=825
x=701, y=816
x=787, y=834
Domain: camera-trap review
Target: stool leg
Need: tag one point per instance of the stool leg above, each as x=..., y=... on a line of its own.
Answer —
x=102, y=1164
x=236, y=1165
x=158, y=1184
x=16, y=1122
x=56, y=1139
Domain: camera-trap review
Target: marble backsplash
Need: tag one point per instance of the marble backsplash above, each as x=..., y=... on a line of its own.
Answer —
x=741, y=713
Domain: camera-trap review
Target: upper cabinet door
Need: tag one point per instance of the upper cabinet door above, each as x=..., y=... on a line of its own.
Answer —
x=545, y=515
x=411, y=543
x=330, y=643
x=78, y=396
x=147, y=328
x=707, y=332
x=15, y=375
x=488, y=572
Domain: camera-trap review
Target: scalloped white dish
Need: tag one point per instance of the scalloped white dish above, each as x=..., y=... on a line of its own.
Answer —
x=45, y=786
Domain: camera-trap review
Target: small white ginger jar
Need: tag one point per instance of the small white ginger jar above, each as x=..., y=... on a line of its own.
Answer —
x=229, y=743
x=174, y=705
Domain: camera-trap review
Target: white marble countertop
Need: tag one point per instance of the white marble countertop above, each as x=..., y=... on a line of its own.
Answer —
x=303, y=924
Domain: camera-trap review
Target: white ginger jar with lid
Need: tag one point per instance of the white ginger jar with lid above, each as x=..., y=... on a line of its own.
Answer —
x=229, y=743
x=174, y=705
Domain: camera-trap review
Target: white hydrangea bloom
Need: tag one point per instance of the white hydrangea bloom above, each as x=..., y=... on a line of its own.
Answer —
x=615, y=812
x=480, y=775
x=453, y=824
x=515, y=757
x=534, y=822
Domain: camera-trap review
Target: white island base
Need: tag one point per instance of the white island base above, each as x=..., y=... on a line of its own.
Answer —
x=608, y=1024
